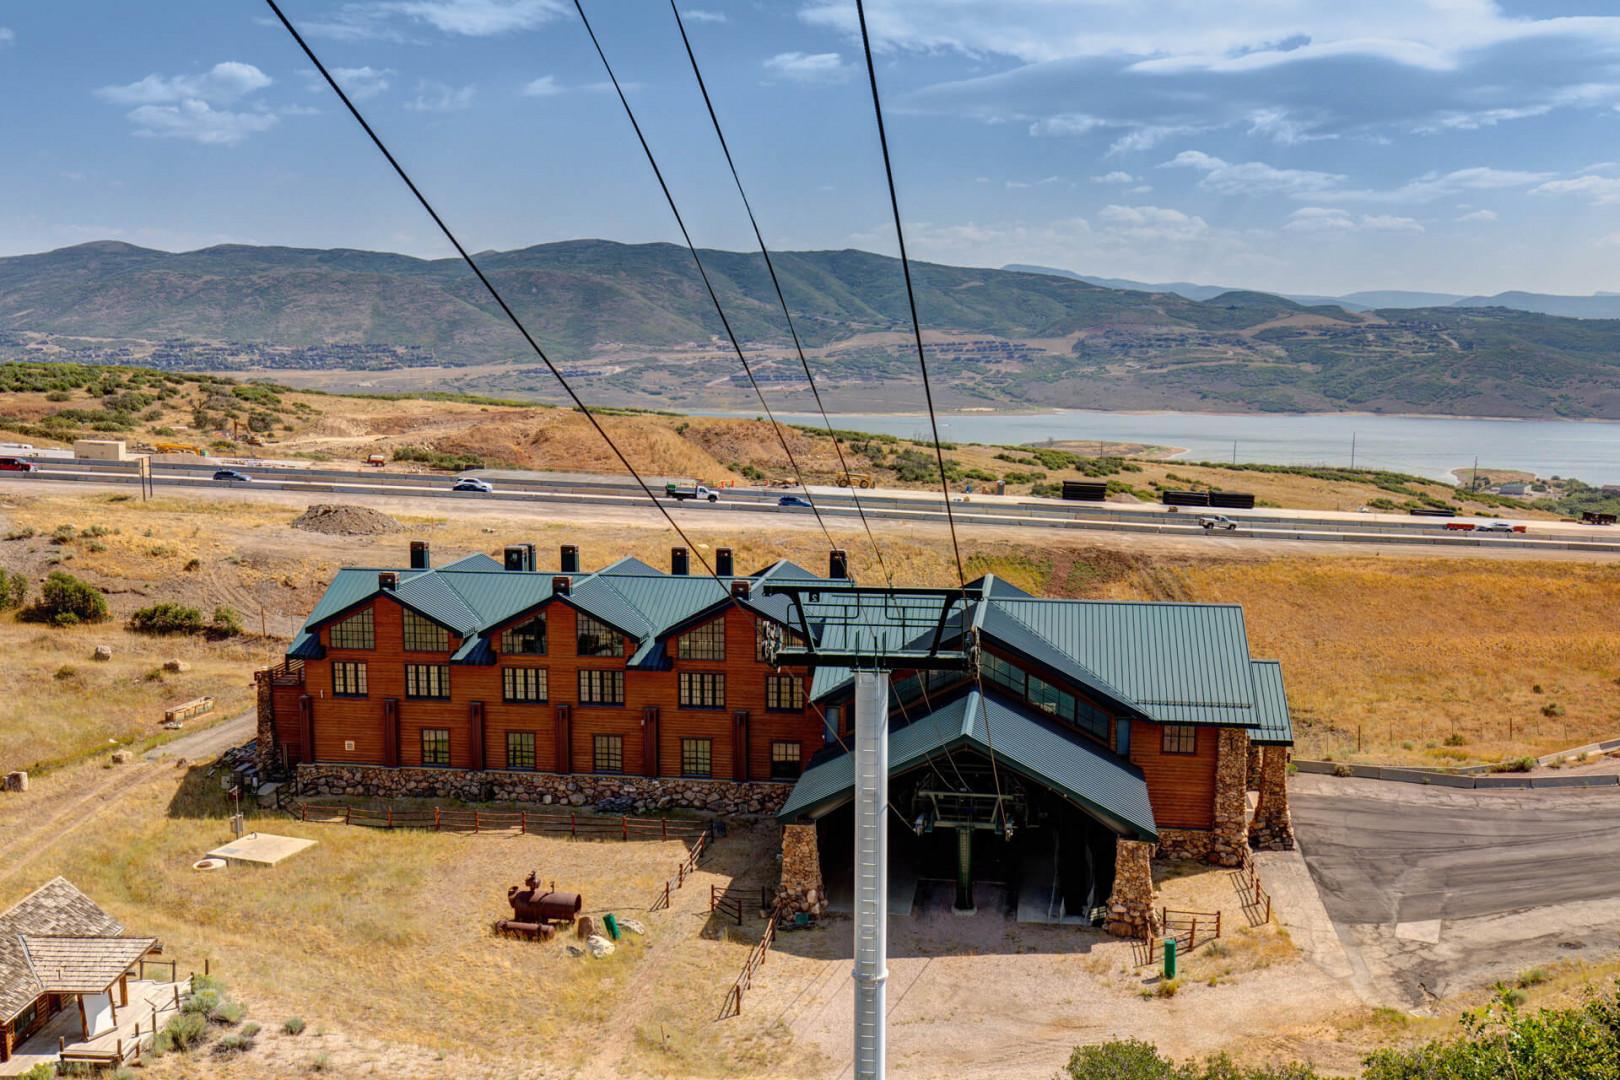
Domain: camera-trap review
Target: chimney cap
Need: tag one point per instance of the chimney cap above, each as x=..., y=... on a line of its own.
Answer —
x=387, y=579
x=561, y=583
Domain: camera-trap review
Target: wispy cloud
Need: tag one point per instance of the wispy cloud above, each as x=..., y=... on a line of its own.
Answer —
x=1118, y=176
x=362, y=82
x=1252, y=177
x=700, y=15
x=225, y=81
x=7, y=35
x=1324, y=219
x=383, y=19
x=544, y=86
x=808, y=67
x=197, y=121
x=438, y=97
x=1478, y=215
x=195, y=106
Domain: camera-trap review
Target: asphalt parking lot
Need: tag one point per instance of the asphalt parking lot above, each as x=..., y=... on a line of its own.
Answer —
x=1432, y=889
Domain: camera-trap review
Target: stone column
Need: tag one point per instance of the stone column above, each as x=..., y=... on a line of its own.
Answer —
x=1131, y=913
x=1272, y=828
x=1253, y=783
x=264, y=751
x=1229, y=838
x=801, y=888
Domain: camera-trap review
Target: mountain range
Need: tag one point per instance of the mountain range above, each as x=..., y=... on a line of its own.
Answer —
x=636, y=319
x=1600, y=305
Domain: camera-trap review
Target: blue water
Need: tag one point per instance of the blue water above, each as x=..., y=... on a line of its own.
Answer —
x=1425, y=446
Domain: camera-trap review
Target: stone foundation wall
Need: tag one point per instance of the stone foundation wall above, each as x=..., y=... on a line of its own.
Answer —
x=1229, y=839
x=1193, y=844
x=801, y=888
x=723, y=797
x=1273, y=828
x=1131, y=912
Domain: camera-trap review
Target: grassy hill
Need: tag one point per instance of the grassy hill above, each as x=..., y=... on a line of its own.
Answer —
x=636, y=318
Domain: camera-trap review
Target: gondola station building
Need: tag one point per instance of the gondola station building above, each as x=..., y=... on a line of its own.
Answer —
x=1088, y=736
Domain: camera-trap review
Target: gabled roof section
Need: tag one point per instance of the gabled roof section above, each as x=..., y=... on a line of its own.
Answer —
x=1275, y=727
x=1099, y=782
x=81, y=965
x=56, y=908
x=997, y=588
x=479, y=561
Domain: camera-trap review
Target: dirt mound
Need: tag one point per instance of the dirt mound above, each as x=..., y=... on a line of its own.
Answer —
x=340, y=520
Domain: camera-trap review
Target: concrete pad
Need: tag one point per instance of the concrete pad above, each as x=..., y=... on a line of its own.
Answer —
x=260, y=849
x=1424, y=930
x=1298, y=907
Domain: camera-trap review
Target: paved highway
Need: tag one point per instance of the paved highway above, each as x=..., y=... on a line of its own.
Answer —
x=970, y=511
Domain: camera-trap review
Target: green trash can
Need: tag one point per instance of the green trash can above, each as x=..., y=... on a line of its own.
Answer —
x=1169, y=957
x=611, y=925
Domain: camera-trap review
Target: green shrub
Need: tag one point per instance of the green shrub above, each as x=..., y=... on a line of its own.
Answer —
x=1552, y=709
x=27, y=533
x=42, y=1071
x=1129, y=1059
x=1534, y=977
x=62, y=534
x=233, y=1044
x=201, y=1002
x=293, y=1025
x=166, y=618
x=228, y=1013
x=321, y=1063
x=226, y=624
x=1522, y=764
x=1455, y=739
x=13, y=590
x=184, y=1031
x=251, y=1030
x=66, y=601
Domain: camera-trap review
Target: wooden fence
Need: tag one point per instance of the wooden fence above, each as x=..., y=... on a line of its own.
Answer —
x=586, y=826
x=1190, y=929
x=732, y=1006
x=1256, y=901
x=726, y=903
x=683, y=871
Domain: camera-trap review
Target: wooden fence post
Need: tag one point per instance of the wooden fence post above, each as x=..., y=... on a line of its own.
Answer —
x=523, y=821
x=390, y=815
x=573, y=826
x=475, y=823
x=347, y=813
x=665, y=824
x=624, y=827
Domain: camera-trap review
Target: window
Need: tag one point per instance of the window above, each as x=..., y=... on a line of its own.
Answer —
x=703, y=690
x=427, y=680
x=358, y=631
x=348, y=679
x=1180, y=739
x=424, y=635
x=520, y=749
x=601, y=687
x=597, y=638
x=607, y=753
x=706, y=642
x=526, y=639
x=784, y=760
x=1122, y=737
x=784, y=693
x=523, y=684
x=435, y=746
x=697, y=757
x=1002, y=673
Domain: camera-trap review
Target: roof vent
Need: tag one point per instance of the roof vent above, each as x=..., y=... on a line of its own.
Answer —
x=561, y=584
x=680, y=564
x=724, y=565
x=388, y=580
x=838, y=564
x=570, y=559
x=420, y=558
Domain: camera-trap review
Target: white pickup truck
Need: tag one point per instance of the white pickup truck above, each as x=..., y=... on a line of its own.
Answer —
x=1211, y=522
x=694, y=490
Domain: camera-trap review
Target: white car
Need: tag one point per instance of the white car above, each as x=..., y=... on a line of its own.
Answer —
x=1494, y=527
x=472, y=483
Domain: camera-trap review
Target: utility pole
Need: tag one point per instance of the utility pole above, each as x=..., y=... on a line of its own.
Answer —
x=1352, y=450
x=871, y=871
x=1234, y=451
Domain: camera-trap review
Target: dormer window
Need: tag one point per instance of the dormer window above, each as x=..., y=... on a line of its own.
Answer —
x=526, y=639
x=706, y=642
x=597, y=638
x=424, y=635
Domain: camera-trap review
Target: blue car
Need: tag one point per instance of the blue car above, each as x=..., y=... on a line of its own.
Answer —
x=231, y=476
x=793, y=500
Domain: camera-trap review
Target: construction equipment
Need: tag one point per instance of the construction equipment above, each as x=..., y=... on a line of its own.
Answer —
x=376, y=460
x=531, y=904
x=177, y=448
x=854, y=479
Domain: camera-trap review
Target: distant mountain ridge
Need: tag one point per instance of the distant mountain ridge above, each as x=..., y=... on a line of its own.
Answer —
x=1600, y=305
x=635, y=318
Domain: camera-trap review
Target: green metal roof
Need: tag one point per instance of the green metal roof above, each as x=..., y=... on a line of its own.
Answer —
x=1275, y=727
x=1102, y=784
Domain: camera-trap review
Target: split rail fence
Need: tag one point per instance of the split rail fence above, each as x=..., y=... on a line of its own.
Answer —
x=683, y=871
x=732, y=1006
x=1256, y=901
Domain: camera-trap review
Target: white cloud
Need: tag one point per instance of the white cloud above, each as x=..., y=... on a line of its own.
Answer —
x=1252, y=177
x=199, y=122
x=7, y=35
x=1066, y=124
x=1279, y=126
x=1478, y=215
x=1118, y=176
x=1147, y=137
x=1454, y=120
x=808, y=67
x=1153, y=223
x=362, y=82
x=476, y=18
x=699, y=15
x=1602, y=190
x=1324, y=219
x=544, y=86
x=1436, y=185
x=438, y=97
x=225, y=81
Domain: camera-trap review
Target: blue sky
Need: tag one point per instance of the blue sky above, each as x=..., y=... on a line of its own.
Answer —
x=1458, y=145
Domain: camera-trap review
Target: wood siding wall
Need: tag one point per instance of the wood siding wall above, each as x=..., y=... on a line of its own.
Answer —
x=1181, y=786
x=343, y=722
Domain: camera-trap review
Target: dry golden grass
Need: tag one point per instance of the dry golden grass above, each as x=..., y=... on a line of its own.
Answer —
x=1410, y=652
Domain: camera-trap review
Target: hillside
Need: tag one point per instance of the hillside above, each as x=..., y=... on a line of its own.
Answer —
x=632, y=325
